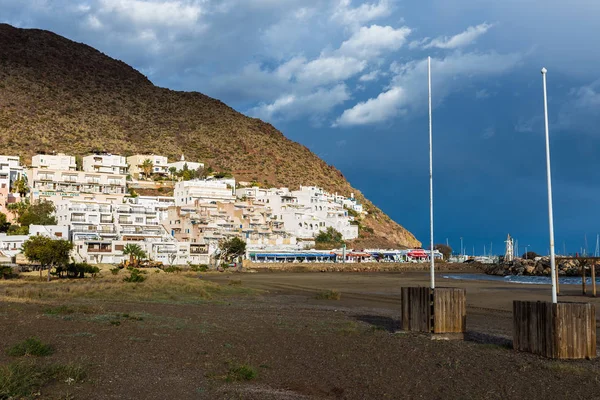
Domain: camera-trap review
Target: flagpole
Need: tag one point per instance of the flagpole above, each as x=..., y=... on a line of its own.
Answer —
x=549, y=178
x=430, y=180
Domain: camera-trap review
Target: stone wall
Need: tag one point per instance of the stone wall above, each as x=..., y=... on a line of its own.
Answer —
x=359, y=267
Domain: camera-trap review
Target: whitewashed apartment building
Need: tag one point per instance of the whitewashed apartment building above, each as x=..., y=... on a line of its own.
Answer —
x=304, y=212
x=106, y=164
x=188, y=193
x=160, y=165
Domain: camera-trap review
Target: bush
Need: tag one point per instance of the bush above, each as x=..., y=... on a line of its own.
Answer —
x=241, y=373
x=329, y=295
x=23, y=380
x=115, y=270
x=135, y=276
x=30, y=347
x=199, y=268
x=172, y=269
x=6, y=272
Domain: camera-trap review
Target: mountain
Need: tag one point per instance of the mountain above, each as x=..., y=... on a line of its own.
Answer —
x=63, y=96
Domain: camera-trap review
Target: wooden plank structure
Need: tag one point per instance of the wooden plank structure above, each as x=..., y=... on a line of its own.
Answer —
x=559, y=331
x=439, y=310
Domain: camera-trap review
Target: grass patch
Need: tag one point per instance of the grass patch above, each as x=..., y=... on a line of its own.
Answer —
x=329, y=295
x=564, y=368
x=235, y=282
x=20, y=380
x=242, y=372
x=60, y=310
x=30, y=347
x=184, y=287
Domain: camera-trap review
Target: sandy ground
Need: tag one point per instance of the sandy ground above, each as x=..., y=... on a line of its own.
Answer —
x=300, y=347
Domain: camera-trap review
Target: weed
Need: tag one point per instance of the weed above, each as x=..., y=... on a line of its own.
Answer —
x=84, y=334
x=30, y=347
x=24, y=379
x=241, y=373
x=329, y=295
x=235, y=282
x=564, y=368
x=115, y=270
x=172, y=269
x=135, y=276
x=60, y=310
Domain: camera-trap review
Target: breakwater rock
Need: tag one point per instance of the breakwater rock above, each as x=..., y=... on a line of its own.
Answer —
x=538, y=267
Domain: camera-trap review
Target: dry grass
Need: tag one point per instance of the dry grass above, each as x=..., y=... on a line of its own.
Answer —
x=329, y=295
x=183, y=287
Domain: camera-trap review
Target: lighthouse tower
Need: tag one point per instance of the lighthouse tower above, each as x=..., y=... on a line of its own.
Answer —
x=509, y=255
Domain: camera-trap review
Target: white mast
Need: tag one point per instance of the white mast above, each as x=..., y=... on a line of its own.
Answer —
x=549, y=179
x=430, y=179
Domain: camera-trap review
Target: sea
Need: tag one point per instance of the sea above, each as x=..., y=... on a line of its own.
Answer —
x=529, y=280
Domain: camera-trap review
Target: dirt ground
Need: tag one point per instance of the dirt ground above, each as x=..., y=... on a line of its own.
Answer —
x=299, y=346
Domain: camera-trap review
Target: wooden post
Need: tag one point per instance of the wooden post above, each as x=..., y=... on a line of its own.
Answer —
x=583, y=279
x=561, y=331
x=594, y=278
x=557, y=284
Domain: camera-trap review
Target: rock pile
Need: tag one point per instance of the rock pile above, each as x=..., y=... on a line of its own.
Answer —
x=539, y=267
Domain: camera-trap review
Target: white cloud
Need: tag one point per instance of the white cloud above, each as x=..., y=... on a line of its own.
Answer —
x=371, y=76
x=292, y=106
x=415, y=44
x=357, y=16
x=489, y=133
x=408, y=90
x=379, y=109
x=330, y=69
x=173, y=13
x=371, y=41
x=482, y=94
x=461, y=40
x=582, y=110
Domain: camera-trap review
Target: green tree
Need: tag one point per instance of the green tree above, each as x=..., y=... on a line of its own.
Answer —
x=445, y=250
x=172, y=171
x=4, y=224
x=330, y=236
x=20, y=186
x=18, y=208
x=147, y=167
x=135, y=252
x=232, y=248
x=47, y=252
x=38, y=213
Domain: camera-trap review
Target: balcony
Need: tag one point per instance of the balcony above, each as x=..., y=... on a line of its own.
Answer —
x=83, y=229
x=102, y=249
x=124, y=211
x=75, y=218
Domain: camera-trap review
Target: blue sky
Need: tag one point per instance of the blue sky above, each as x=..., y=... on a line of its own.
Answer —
x=347, y=78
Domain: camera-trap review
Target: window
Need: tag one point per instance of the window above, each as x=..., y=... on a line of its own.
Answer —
x=139, y=220
x=119, y=247
x=58, y=234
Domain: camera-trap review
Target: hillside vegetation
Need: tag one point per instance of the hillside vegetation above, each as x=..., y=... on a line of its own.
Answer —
x=58, y=95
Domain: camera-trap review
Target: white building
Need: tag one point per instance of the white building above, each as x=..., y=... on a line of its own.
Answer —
x=160, y=204
x=181, y=164
x=203, y=191
x=45, y=183
x=106, y=163
x=59, y=162
x=160, y=165
x=51, y=231
x=10, y=170
x=304, y=212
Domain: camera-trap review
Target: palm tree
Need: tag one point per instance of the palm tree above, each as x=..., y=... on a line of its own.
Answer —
x=147, y=167
x=20, y=186
x=134, y=251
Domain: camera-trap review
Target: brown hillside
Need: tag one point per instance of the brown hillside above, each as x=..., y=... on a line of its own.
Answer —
x=58, y=95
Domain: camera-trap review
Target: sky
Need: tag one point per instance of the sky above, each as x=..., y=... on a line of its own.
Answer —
x=348, y=79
